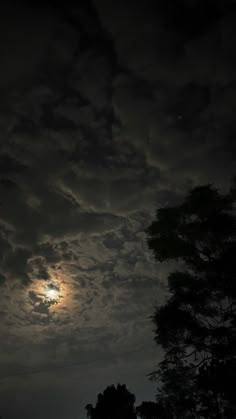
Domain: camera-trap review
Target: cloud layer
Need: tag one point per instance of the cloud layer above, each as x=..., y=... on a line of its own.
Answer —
x=101, y=121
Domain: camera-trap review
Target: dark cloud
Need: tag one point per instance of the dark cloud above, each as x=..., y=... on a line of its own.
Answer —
x=107, y=110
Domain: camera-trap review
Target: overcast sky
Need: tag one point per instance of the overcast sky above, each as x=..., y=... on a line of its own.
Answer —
x=108, y=110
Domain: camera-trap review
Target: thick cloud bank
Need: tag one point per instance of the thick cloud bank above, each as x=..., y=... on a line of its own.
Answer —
x=108, y=110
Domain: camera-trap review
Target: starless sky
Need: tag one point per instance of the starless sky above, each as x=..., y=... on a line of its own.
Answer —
x=108, y=109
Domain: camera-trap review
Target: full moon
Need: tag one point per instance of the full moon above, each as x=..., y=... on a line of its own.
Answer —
x=52, y=293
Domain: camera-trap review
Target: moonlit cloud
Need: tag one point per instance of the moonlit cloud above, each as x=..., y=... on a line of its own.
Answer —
x=107, y=111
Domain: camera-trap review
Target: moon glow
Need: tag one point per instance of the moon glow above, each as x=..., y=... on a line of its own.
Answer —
x=52, y=292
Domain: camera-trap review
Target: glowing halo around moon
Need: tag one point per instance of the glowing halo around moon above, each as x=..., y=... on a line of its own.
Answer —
x=54, y=296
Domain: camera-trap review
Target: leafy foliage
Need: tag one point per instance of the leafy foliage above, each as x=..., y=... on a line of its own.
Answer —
x=113, y=403
x=197, y=325
x=152, y=410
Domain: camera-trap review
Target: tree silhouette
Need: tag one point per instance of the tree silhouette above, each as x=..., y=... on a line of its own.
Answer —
x=152, y=410
x=197, y=325
x=113, y=403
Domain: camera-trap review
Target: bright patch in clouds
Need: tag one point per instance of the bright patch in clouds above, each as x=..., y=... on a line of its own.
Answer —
x=52, y=293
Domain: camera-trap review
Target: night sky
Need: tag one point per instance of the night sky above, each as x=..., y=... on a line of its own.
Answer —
x=108, y=110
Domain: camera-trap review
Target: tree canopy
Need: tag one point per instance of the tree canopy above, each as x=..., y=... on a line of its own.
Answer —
x=196, y=326
x=152, y=410
x=114, y=403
